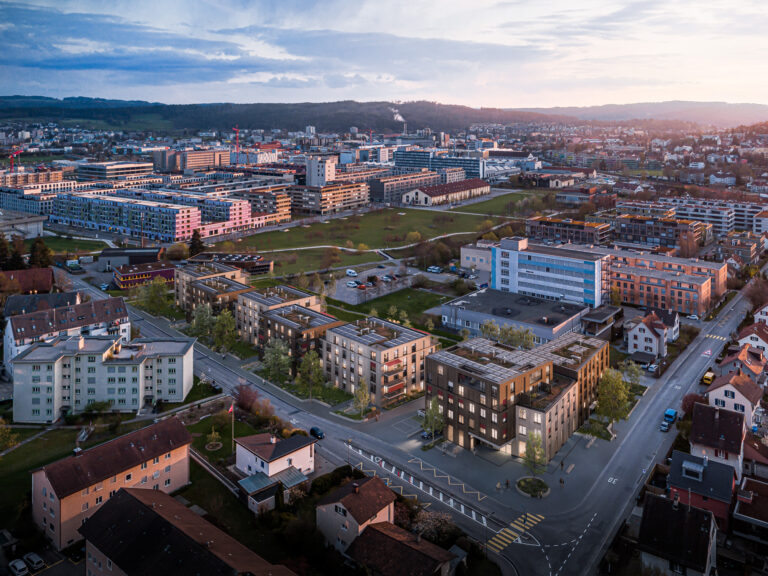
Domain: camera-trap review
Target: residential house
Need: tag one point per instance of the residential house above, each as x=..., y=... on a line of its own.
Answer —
x=702, y=483
x=751, y=361
x=384, y=549
x=269, y=455
x=761, y=313
x=343, y=514
x=647, y=334
x=670, y=319
x=67, y=492
x=750, y=523
x=149, y=533
x=738, y=392
x=756, y=336
x=676, y=539
x=29, y=281
x=17, y=304
x=718, y=435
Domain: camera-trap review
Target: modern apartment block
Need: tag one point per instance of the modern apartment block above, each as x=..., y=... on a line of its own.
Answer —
x=113, y=170
x=329, y=199
x=300, y=328
x=28, y=199
x=321, y=170
x=14, y=179
x=66, y=375
x=567, y=230
x=474, y=167
x=497, y=396
x=386, y=357
x=252, y=305
x=666, y=232
x=272, y=200
x=182, y=160
x=743, y=212
x=67, y=492
x=645, y=208
x=186, y=276
x=550, y=273
x=390, y=189
x=93, y=318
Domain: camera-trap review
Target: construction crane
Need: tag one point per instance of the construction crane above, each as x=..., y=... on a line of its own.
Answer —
x=13, y=156
x=237, y=144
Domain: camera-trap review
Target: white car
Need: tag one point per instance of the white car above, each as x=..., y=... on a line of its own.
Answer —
x=18, y=568
x=693, y=317
x=351, y=272
x=473, y=276
x=352, y=284
x=34, y=561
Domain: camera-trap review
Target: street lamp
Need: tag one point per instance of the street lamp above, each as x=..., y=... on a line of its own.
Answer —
x=349, y=442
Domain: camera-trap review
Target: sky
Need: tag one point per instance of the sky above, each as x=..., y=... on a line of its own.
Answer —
x=499, y=53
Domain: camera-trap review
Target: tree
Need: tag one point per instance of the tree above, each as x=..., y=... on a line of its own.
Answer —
x=317, y=283
x=5, y=252
x=178, y=251
x=16, y=261
x=631, y=371
x=302, y=281
x=429, y=325
x=214, y=436
x=227, y=246
x=153, y=295
x=485, y=226
x=516, y=337
x=434, y=422
x=490, y=330
x=362, y=247
x=612, y=395
x=534, y=458
x=331, y=257
x=310, y=372
x=373, y=312
x=392, y=312
x=7, y=437
x=432, y=525
x=224, y=333
x=413, y=237
x=615, y=296
x=465, y=334
x=245, y=397
x=196, y=245
x=757, y=292
x=277, y=360
x=202, y=321
x=689, y=400
x=403, y=316
x=362, y=398
x=586, y=209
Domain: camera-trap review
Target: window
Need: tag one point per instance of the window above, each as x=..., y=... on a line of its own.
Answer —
x=99, y=499
x=339, y=510
x=128, y=477
x=730, y=394
x=536, y=418
x=738, y=407
x=167, y=482
x=85, y=506
x=523, y=413
x=720, y=403
x=522, y=430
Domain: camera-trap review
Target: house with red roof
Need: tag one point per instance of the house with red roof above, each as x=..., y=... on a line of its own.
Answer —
x=718, y=435
x=450, y=193
x=755, y=335
x=736, y=391
x=647, y=334
x=751, y=361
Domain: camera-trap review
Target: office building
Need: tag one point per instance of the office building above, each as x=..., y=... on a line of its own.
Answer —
x=477, y=256
x=386, y=357
x=567, y=230
x=69, y=373
x=550, y=273
x=113, y=170
x=497, y=396
x=66, y=493
x=390, y=189
x=252, y=305
x=474, y=167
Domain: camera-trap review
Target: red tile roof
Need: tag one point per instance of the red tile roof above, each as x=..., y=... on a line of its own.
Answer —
x=454, y=187
x=55, y=320
x=759, y=329
x=741, y=382
x=31, y=280
x=371, y=497
x=262, y=445
x=750, y=358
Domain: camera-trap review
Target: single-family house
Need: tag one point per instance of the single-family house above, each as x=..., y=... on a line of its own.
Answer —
x=755, y=336
x=718, y=435
x=751, y=361
x=647, y=334
x=670, y=319
x=738, y=392
x=761, y=313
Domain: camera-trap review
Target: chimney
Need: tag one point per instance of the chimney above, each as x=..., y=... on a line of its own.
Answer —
x=272, y=439
x=356, y=488
x=675, y=501
x=77, y=451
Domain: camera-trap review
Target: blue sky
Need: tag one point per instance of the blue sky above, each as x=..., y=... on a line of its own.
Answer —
x=506, y=53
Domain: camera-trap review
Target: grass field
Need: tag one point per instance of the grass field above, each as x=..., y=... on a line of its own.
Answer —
x=497, y=205
x=309, y=260
x=414, y=302
x=61, y=245
x=379, y=229
x=204, y=428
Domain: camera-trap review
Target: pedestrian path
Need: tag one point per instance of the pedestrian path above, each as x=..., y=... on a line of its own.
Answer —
x=514, y=531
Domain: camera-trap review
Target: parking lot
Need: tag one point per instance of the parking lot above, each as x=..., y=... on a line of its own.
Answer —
x=56, y=564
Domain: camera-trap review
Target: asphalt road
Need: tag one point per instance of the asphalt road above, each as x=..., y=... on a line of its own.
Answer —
x=572, y=540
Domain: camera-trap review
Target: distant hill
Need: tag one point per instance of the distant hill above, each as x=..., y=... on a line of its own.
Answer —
x=720, y=114
x=326, y=116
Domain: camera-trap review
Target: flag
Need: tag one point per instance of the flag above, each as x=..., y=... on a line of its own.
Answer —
x=231, y=408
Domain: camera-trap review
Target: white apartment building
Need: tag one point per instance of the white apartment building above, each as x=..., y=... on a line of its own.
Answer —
x=93, y=318
x=743, y=212
x=550, y=273
x=66, y=375
x=321, y=170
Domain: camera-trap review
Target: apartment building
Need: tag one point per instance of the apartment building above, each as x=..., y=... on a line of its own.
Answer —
x=300, y=328
x=451, y=175
x=14, y=179
x=497, y=396
x=474, y=167
x=219, y=293
x=567, y=230
x=576, y=197
x=390, y=189
x=666, y=232
x=127, y=277
x=748, y=246
x=328, y=199
x=446, y=193
x=550, y=273
x=253, y=264
x=186, y=276
x=321, y=170
x=385, y=356
x=744, y=213
x=274, y=201
x=92, y=318
x=29, y=200
x=113, y=170
x=252, y=305
x=182, y=160
x=645, y=208
x=69, y=491
x=66, y=375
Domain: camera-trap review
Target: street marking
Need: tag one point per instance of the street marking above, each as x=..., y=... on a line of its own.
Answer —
x=716, y=337
x=451, y=482
x=707, y=352
x=510, y=535
x=612, y=480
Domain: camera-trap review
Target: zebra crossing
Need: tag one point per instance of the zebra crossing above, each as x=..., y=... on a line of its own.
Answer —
x=511, y=533
x=716, y=337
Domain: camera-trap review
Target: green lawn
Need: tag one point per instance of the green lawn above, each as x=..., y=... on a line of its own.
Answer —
x=198, y=392
x=62, y=245
x=615, y=356
x=310, y=260
x=379, y=229
x=243, y=350
x=225, y=430
x=414, y=302
x=497, y=205
x=168, y=310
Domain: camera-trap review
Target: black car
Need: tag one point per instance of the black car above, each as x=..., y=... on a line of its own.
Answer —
x=316, y=432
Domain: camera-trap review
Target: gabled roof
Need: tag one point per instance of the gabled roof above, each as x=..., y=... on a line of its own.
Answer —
x=750, y=358
x=148, y=533
x=262, y=446
x=32, y=279
x=371, y=496
x=27, y=303
x=717, y=428
x=676, y=532
x=668, y=317
x=289, y=477
x=747, y=387
x=75, y=473
x=67, y=317
x=716, y=478
x=759, y=329
x=755, y=449
x=387, y=550
x=453, y=187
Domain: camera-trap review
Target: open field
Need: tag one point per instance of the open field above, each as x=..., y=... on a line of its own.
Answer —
x=61, y=245
x=497, y=205
x=379, y=229
x=414, y=302
x=308, y=260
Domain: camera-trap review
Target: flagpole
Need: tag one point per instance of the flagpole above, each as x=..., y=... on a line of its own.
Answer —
x=232, y=409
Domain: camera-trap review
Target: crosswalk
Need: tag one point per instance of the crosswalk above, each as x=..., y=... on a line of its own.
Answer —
x=509, y=534
x=716, y=337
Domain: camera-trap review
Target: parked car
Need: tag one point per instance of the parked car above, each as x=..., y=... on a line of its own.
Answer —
x=473, y=276
x=315, y=432
x=34, y=561
x=653, y=368
x=351, y=272
x=428, y=435
x=362, y=287
x=421, y=413
x=693, y=317
x=18, y=568
x=104, y=287
x=386, y=279
x=664, y=426
x=381, y=266
x=352, y=284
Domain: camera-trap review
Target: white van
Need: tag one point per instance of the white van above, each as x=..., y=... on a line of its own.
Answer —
x=351, y=272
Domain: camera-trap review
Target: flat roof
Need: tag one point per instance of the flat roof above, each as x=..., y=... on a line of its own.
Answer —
x=275, y=295
x=375, y=332
x=300, y=317
x=574, y=253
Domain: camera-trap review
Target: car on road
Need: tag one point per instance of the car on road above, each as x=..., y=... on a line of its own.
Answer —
x=664, y=426
x=104, y=287
x=351, y=272
x=380, y=266
x=435, y=269
x=473, y=276
x=315, y=432
x=421, y=413
x=670, y=415
x=352, y=284
x=708, y=378
x=18, y=568
x=34, y=561
x=693, y=317
x=386, y=278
